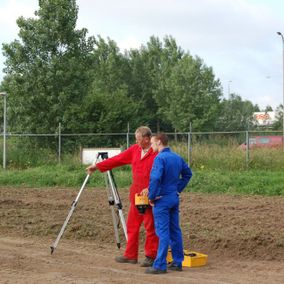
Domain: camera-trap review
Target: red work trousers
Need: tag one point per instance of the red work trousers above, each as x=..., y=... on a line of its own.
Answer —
x=134, y=222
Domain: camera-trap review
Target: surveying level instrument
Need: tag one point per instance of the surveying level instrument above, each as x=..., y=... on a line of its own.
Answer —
x=142, y=203
x=113, y=200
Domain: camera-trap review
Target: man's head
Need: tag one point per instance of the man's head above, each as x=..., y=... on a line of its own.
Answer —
x=159, y=141
x=143, y=136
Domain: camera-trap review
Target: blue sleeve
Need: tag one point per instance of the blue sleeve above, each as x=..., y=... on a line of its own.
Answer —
x=186, y=175
x=155, y=178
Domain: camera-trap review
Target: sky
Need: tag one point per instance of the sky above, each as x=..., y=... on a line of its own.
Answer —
x=237, y=38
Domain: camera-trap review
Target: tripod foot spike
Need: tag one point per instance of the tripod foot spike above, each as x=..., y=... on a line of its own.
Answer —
x=52, y=249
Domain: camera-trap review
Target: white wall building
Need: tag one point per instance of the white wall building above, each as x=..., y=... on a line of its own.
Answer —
x=264, y=118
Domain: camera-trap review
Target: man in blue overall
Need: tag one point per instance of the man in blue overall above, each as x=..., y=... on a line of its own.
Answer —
x=169, y=176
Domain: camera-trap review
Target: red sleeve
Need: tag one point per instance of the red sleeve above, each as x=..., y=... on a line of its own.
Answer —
x=124, y=158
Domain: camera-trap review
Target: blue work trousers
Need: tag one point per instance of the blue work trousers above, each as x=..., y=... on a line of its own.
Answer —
x=166, y=218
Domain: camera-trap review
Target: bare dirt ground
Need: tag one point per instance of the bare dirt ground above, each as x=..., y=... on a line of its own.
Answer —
x=242, y=235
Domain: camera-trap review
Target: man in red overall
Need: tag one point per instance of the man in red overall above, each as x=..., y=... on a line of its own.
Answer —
x=141, y=157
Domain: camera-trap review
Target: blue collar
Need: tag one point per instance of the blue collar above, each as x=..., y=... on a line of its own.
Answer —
x=166, y=149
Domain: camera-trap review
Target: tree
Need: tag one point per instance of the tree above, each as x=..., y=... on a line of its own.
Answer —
x=143, y=80
x=189, y=93
x=268, y=108
x=108, y=104
x=236, y=114
x=48, y=69
x=278, y=125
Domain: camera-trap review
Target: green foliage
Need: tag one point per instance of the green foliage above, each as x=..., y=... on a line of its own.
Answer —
x=207, y=181
x=60, y=175
x=238, y=182
x=56, y=74
x=26, y=152
x=144, y=76
x=46, y=75
x=268, y=108
x=189, y=94
x=236, y=114
x=278, y=125
x=108, y=103
x=216, y=167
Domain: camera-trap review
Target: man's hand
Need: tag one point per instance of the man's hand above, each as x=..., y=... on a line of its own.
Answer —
x=144, y=192
x=91, y=169
x=152, y=202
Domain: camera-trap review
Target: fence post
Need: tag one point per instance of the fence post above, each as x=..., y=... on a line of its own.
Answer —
x=189, y=146
x=4, y=95
x=176, y=135
x=127, y=135
x=59, y=143
x=247, y=149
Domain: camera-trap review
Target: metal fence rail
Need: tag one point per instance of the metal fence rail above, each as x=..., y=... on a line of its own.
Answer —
x=185, y=143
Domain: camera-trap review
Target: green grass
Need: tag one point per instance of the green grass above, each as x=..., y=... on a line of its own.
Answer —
x=238, y=182
x=217, y=169
x=59, y=175
x=231, y=157
x=207, y=181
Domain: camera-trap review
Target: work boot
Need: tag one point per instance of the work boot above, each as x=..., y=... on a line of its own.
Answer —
x=123, y=259
x=174, y=267
x=152, y=270
x=148, y=262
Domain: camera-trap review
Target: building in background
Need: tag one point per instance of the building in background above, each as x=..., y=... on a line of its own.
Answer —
x=262, y=118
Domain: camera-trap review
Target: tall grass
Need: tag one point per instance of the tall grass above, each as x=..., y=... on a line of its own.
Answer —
x=216, y=168
x=221, y=153
x=202, y=156
x=231, y=157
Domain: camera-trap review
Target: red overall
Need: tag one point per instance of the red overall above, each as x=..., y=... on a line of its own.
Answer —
x=140, y=179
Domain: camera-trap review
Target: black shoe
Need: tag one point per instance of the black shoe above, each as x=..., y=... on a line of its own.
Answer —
x=152, y=270
x=148, y=262
x=174, y=267
x=123, y=259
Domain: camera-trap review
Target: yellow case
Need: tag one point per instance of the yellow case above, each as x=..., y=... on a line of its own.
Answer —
x=191, y=258
x=141, y=199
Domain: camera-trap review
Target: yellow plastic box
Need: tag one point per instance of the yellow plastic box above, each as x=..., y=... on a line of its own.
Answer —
x=191, y=258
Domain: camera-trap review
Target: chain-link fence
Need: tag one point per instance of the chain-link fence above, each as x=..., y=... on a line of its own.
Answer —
x=214, y=150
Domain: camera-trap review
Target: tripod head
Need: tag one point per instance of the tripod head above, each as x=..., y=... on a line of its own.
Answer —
x=103, y=155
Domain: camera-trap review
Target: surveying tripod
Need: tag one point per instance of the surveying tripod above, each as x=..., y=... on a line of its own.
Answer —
x=113, y=200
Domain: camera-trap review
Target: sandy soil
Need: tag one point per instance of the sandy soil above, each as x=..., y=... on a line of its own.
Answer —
x=242, y=235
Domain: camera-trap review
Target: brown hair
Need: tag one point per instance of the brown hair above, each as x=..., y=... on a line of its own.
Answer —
x=145, y=131
x=162, y=137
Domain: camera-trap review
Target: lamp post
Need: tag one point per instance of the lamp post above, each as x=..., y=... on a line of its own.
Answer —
x=229, y=91
x=283, y=88
x=4, y=95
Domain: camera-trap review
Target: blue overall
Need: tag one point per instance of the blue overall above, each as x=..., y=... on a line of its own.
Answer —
x=169, y=176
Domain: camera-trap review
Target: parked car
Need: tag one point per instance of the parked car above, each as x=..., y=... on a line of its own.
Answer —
x=263, y=142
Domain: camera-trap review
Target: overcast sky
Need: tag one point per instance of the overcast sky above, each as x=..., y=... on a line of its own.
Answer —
x=237, y=38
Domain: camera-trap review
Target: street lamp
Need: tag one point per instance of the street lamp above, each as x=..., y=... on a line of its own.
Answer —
x=229, y=92
x=4, y=95
x=283, y=89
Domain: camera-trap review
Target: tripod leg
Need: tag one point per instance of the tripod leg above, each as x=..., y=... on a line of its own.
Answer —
x=115, y=227
x=117, y=202
x=123, y=223
x=73, y=206
x=114, y=217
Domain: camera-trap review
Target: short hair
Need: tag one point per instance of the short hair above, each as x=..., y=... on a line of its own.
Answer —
x=145, y=131
x=162, y=137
